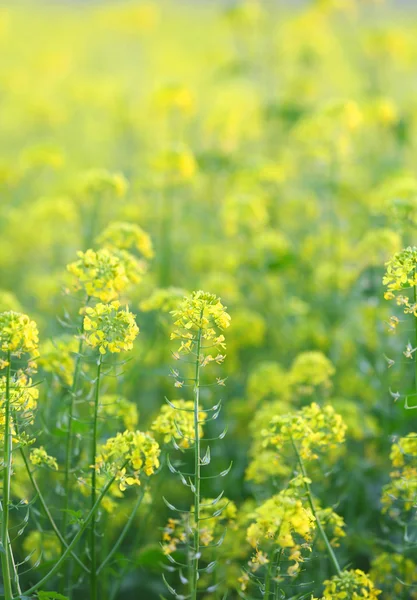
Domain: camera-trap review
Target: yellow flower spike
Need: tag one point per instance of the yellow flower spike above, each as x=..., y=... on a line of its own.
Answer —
x=178, y=423
x=350, y=584
x=101, y=274
x=18, y=334
x=113, y=329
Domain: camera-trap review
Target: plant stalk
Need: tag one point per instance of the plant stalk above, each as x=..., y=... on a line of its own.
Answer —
x=7, y=470
x=311, y=502
x=197, y=470
x=75, y=540
x=93, y=574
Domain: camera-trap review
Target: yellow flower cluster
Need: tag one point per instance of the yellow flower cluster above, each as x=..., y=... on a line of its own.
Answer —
x=311, y=369
x=126, y=236
x=268, y=380
x=100, y=182
x=395, y=575
x=56, y=357
x=401, y=274
x=350, y=585
x=313, y=429
x=109, y=328
x=100, y=274
x=131, y=452
x=178, y=423
x=203, y=312
x=18, y=334
x=282, y=521
x=113, y=405
x=175, y=165
x=400, y=494
x=162, y=299
x=23, y=395
x=39, y=456
x=23, y=400
x=214, y=516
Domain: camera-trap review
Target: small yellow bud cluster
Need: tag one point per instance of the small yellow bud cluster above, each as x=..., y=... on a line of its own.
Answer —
x=126, y=236
x=214, y=514
x=395, y=575
x=100, y=274
x=113, y=405
x=97, y=182
x=311, y=369
x=401, y=275
x=56, y=357
x=109, y=328
x=178, y=422
x=281, y=522
x=18, y=334
x=39, y=456
x=200, y=312
x=314, y=429
x=127, y=456
x=399, y=495
x=353, y=584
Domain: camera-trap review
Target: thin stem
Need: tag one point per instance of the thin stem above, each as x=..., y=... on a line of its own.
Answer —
x=75, y=540
x=268, y=581
x=12, y=561
x=68, y=444
x=415, y=325
x=277, y=593
x=197, y=467
x=122, y=535
x=314, y=511
x=7, y=470
x=47, y=511
x=93, y=575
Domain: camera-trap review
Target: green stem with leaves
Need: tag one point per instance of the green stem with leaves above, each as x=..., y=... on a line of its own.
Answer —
x=73, y=543
x=6, y=563
x=47, y=511
x=123, y=533
x=197, y=470
x=93, y=550
x=311, y=502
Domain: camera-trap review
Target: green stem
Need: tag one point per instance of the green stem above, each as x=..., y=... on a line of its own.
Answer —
x=93, y=574
x=277, y=593
x=122, y=535
x=268, y=582
x=415, y=344
x=68, y=444
x=7, y=470
x=12, y=562
x=47, y=511
x=315, y=513
x=75, y=540
x=197, y=468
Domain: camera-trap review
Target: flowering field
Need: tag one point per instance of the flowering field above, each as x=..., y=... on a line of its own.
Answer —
x=208, y=303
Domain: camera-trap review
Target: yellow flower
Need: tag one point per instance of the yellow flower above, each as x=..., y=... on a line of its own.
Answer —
x=109, y=328
x=39, y=456
x=350, y=585
x=100, y=274
x=129, y=456
x=313, y=429
x=200, y=312
x=126, y=236
x=18, y=334
x=178, y=423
